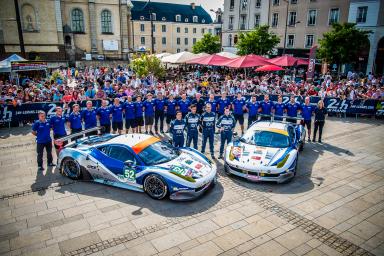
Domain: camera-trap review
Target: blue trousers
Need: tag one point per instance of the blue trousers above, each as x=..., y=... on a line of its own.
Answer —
x=178, y=141
x=192, y=136
x=210, y=136
x=226, y=136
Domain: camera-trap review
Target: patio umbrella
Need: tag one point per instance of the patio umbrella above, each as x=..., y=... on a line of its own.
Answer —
x=228, y=55
x=179, y=58
x=210, y=60
x=269, y=68
x=246, y=61
x=284, y=61
x=302, y=62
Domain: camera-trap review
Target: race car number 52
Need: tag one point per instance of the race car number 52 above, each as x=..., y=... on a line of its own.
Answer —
x=129, y=174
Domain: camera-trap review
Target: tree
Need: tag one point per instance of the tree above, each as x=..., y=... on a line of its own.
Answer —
x=208, y=44
x=342, y=44
x=259, y=41
x=145, y=65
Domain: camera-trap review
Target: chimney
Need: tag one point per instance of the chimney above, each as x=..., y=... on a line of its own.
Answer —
x=193, y=5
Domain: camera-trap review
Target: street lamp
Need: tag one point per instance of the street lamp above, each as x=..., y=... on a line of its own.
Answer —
x=219, y=12
x=286, y=26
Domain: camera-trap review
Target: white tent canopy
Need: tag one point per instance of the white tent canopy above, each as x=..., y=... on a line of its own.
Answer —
x=162, y=55
x=202, y=54
x=5, y=65
x=179, y=58
x=228, y=55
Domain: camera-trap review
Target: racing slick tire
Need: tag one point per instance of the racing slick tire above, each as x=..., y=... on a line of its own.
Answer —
x=155, y=186
x=71, y=168
x=226, y=170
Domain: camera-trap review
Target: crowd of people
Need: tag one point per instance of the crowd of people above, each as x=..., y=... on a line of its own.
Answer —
x=74, y=85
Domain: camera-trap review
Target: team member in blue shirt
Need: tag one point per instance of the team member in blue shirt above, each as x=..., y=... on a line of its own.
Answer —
x=42, y=130
x=177, y=130
x=292, y=108
x=89, y=117
x=207, y=121
x=252, y=108
x=223, y=103
x=139, y=114
x=130, y=118
x=266, y=107
x=149, y=113
x=279, y=108
x=238, y=106
x=183, y=105
x=170, y=109
x=192, y=120
x=159, y=112
x=74, y=120
x=117, y=116
x=226, y=123
x=306, y=113
x=212, y=102
x=104, y=116
x=199, y=103
x=57, y=123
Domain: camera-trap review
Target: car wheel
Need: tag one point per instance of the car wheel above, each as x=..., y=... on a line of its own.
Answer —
x=226, y=170
x=155, y=186
x=71, y=168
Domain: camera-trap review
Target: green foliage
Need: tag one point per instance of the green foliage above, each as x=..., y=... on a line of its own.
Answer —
x=343, y=43
x=55, y=75
x=147, y=64
x=208, y=44
x=259, y=41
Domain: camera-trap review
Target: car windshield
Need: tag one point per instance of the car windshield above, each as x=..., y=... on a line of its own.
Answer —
x=158, y=153
x=266, y=139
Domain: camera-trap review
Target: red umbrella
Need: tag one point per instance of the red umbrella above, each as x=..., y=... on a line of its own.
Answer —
x=302, y=62
x=247, y=61
x=284, y=61
x=269, y=68
x=210, y=60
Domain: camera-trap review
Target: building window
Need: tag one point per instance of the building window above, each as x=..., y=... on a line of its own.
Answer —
x=186, y=30
x=178, y=18
x=194, y=40
x=203, y=31
x=106, y=22
x=186, y=20
x=195, y=19
x=275, y=20
x=163, y=28
x=293, y=1
x=142, y=27
x=186, y=41
x=194, y=30
x=163, y=19
x=230, y=24
x=29, y=18
x=203, y=20
x=153, y=27
x=178, y=29
x=312, y=17
x=258, y=3
x=77, y=20
x=244, y=4
x=361, y=16
x=231, y=5
x=178, y=41
x=164, y=40
x=177, y=50
x=291, y=40
x=276, y=2
x=235, y=39
x=230, y=40
x=142, y=40
x=142, y=18
x=334, y=15
x=309, y=41
x=243, y=19
x=292, y=19
x=257, y=20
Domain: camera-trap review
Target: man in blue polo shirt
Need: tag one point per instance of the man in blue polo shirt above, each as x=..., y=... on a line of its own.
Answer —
x=57, y=123
x=170, y=109
x=306, y=113
x=42, y=130
x=238, y=106
x=117, y=116
x=222, y=104
x=183, y=105
x=104, y=116
x=212, y=102
x=139, y=114
x=89, y=117
x=130, y=117
x=252, y=108
x=149, y=113
x=74, y=120
x=292, y=108
x=266, y=108
x=279, y=108
x=159, y=112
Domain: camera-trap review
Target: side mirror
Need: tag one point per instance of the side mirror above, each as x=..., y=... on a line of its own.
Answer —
x=129, y=163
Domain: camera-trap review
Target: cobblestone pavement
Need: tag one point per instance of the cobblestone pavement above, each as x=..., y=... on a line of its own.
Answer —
x=333, y=207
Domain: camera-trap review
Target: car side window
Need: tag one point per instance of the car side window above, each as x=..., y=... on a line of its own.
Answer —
x=105, y=150
x=121, y=154
x=291, y=133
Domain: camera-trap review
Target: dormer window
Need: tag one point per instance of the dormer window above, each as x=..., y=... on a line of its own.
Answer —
x=153, y=16
x=186, y=20
x=203, y=20
x=163, y=19
x=178, y=18
x=141, y=17
x=195, y=19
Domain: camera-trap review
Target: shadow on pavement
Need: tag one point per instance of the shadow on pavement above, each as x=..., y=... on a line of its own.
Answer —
x=5, y=132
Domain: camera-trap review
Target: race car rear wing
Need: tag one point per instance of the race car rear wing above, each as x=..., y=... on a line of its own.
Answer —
x=60, y=142
x=283, y=118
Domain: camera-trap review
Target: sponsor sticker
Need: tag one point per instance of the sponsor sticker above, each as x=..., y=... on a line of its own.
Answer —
x=256, y=157
x=198, y=166
x=188, y=161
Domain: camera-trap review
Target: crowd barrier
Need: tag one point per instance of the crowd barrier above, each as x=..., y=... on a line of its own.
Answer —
x=27, y=112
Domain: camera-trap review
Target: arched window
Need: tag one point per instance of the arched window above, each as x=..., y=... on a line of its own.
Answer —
x=106, y=22
x=178, y=18
x=235, y=39
x=77, y=20
x=230, y=40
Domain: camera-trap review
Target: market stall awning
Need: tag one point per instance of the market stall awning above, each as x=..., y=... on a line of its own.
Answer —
x=247, y=61
x=179, y=58
x=269, y=68
x=5, y=65
x=210, y=60
x=284, y=61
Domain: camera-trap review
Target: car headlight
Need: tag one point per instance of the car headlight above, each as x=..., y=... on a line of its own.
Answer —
x=282, y=162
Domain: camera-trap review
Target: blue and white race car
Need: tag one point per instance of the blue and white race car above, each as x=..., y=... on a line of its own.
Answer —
x=139, y=162
x=268, y=151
